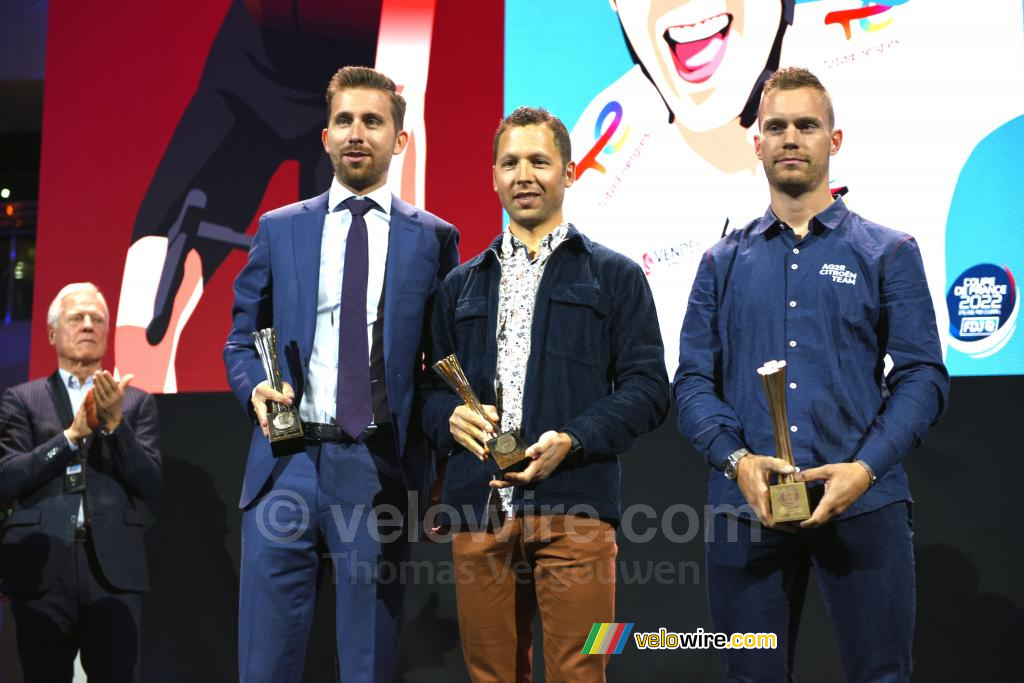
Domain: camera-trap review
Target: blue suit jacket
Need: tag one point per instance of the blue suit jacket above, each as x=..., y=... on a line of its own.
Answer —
x=278, y=288
x=37, y=539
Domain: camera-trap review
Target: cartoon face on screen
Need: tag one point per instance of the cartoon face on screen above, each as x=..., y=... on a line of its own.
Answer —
x=704, y=56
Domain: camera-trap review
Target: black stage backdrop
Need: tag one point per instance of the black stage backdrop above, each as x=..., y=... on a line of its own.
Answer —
x=970, y=622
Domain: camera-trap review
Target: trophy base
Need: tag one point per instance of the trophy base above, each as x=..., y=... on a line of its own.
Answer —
x=789, y=502
x=507, y=450
x=284, y=424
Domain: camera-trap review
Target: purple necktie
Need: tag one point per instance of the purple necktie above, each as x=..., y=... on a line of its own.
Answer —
x=355, y=406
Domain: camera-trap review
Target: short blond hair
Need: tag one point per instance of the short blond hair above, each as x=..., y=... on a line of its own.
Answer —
x=794, y=78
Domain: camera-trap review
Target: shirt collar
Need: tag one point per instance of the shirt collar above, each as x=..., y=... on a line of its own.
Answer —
x=493, y=250
x=71, y=382
x=830, y=218
x=510, y=243
x=339, y=193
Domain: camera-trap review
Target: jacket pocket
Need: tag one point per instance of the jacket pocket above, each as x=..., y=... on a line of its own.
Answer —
x=24, y=517
x=133, y=517
x=470, y=308
x=577, y=324
x=470, y=332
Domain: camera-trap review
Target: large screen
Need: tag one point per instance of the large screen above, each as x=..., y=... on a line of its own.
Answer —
x=929, y=94
x=170, y=126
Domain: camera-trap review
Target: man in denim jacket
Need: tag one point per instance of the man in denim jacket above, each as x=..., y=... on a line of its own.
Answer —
x=565, y=332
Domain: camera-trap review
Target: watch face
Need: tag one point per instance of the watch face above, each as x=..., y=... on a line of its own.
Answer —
x=730, y=468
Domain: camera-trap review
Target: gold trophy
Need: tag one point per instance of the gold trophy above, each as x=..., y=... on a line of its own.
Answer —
x=506, y=448
x=283, y=421
x=789, y=497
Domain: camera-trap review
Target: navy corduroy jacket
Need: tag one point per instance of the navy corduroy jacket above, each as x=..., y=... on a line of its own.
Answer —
x=596, y=371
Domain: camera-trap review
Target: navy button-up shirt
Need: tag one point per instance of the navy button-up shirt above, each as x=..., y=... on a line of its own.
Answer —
x=832, y=305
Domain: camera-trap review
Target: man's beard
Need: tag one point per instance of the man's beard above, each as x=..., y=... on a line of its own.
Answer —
x=368, y=174
x=796, y=184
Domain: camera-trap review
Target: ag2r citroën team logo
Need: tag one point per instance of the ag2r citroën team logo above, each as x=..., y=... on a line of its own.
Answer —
x=983, y=307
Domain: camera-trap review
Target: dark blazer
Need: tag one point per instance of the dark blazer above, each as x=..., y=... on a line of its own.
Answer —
x=278, y=287
x=596, y=371
x=122, y=469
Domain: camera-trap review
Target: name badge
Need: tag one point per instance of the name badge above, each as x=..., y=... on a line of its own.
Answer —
x=74, y=479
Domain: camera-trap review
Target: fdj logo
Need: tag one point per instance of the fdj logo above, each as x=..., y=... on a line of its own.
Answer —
x=613, y=111
x=983, y=306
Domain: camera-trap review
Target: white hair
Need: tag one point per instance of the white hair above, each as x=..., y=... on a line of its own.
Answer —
x=53, y=313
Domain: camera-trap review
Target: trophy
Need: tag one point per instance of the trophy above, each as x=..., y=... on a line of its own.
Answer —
x=789, y=497
x=283, y=421
x=506, y=448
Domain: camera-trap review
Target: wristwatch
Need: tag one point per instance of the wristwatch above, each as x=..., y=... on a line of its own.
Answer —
x=576, y=449
x=729, y=469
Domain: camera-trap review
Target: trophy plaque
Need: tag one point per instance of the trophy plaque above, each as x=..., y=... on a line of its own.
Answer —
x=283, y=421
x=507, y=449
x=789, y=497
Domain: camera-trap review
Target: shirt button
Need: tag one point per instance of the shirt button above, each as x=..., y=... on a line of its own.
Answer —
x=795, y=250
x=792, y=385
x=794, y=266
x=793, y=428
x=792, y=304
x=792, y=343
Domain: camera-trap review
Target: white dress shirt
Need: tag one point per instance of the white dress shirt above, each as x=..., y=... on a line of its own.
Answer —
x=76, y=392
x=320, y=397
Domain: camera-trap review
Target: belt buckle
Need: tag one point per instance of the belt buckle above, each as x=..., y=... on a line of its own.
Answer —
x=370, y=430
x=81, y=534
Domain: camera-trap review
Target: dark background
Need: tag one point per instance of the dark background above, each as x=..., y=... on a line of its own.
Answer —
x=970, y=624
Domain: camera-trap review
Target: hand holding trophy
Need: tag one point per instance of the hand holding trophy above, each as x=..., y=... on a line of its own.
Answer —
x=283, y=421
x=507, y=449
x=789, y=497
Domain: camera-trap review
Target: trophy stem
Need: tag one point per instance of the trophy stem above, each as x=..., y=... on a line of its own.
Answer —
x=283, y=422
x=506, y=449
x=789, y=497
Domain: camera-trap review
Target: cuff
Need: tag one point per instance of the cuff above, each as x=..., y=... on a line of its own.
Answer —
x=576, y=454
x=724, y=444
x=878, y=455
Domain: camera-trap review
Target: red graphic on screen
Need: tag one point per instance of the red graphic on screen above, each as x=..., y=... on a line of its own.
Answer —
x=844, y=17
x=169, y=128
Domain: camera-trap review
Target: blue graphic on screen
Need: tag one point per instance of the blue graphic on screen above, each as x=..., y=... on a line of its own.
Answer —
x=558, y=54
x=985, y=255
x=663, y=144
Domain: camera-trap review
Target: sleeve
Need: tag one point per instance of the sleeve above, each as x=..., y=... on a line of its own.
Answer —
x=437, y=399
x=639, y=401
x=918, y=383
x=134, y=448
x=704, y=417
x=252, y=310
x=24, y=464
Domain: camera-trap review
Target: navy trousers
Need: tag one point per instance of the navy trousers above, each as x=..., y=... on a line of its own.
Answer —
x=865, y=569
x=81, y=611
x=339, y=503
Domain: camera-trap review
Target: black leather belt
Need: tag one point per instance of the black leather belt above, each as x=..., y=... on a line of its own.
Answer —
x=319, y=431
x=81, y=534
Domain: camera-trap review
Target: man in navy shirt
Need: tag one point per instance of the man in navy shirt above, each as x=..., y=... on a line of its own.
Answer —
x=833, y=295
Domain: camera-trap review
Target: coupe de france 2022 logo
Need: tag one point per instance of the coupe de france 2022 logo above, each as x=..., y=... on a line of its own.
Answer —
x=983, y=306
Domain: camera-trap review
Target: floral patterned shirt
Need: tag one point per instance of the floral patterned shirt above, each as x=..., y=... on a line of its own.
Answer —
x=517, y=294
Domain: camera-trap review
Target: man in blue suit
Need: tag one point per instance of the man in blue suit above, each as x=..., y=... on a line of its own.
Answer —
x=72, y=556
x=345, y=279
